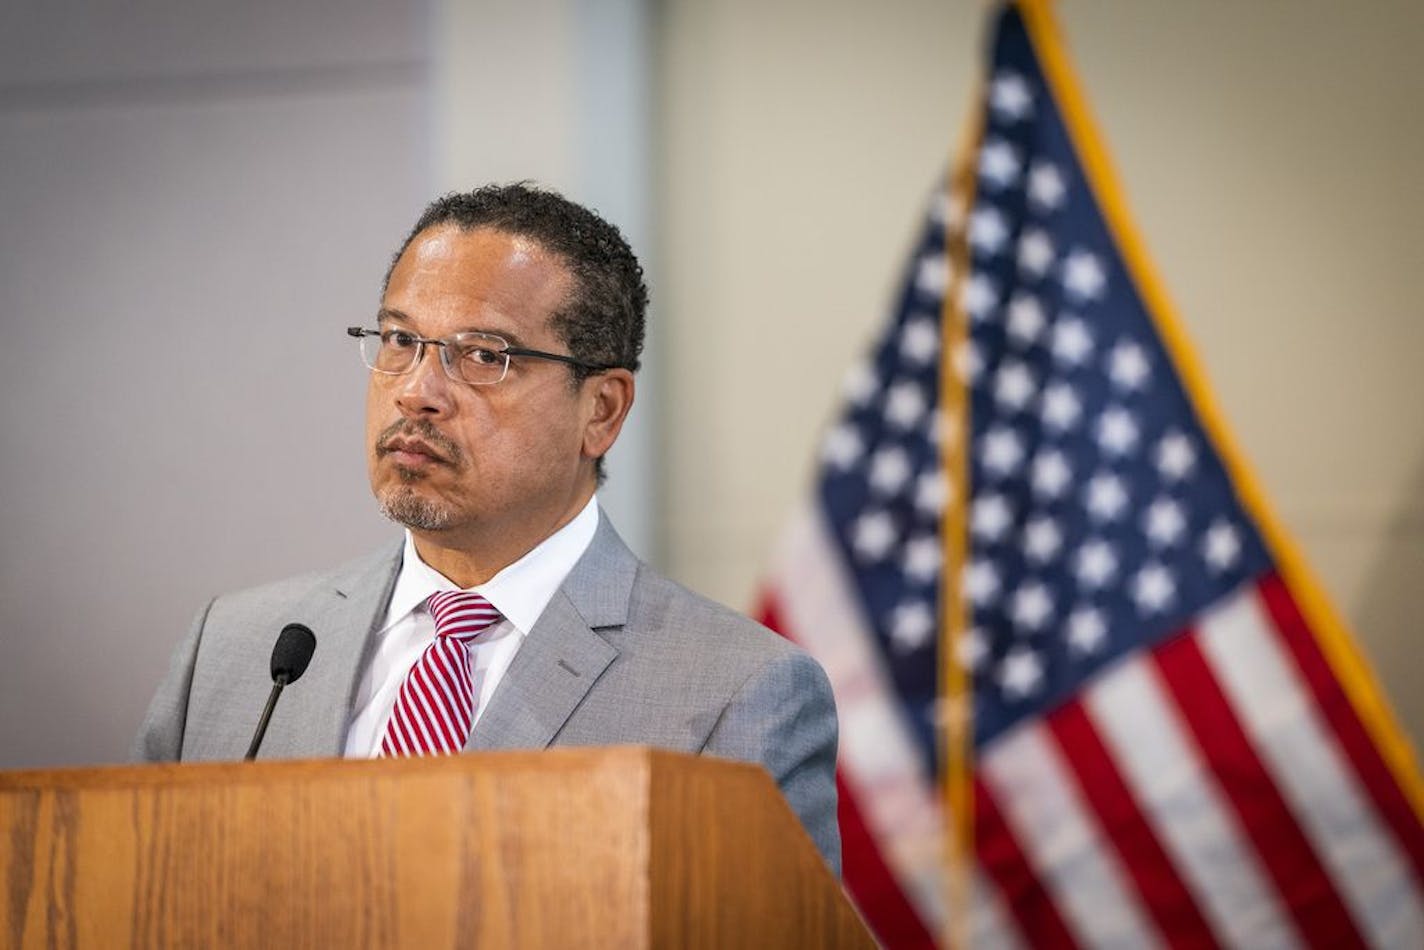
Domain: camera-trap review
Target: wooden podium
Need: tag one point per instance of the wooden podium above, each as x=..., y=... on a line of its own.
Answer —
x=622, y=847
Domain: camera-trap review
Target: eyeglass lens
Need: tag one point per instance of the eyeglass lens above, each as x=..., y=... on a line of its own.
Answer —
x=472, y=357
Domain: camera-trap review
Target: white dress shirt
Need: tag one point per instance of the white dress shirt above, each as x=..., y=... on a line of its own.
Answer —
x=520, y=593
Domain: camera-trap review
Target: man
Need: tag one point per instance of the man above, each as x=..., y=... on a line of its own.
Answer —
x=512, y=615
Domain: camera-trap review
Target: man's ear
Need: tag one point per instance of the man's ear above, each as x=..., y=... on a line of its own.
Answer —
x=609, y=396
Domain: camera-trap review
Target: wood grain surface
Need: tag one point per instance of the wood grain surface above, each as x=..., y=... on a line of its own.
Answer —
x=624, y=847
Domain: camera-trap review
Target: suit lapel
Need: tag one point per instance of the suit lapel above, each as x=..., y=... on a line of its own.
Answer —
x=556, y=667
x=564, y=655
x=311, y=719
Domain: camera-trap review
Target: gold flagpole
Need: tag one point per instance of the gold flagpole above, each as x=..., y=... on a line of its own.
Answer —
x=955, y=720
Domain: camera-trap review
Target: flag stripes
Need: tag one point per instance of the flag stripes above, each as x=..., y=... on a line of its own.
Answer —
x=1301, y=756
x=1206, y=846
x=1152, y=874
x=1262, y=814
x=1027, y=775
x=1389, y=800
x=1005, y=864
x=1145, y=736
x=989, y=924
x=878, y=894
x=1059, y=817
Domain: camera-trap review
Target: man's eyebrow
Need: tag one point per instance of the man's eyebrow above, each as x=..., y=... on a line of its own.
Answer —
x=508, y=336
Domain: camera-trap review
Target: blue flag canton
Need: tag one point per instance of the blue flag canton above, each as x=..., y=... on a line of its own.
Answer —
x=1101, y=520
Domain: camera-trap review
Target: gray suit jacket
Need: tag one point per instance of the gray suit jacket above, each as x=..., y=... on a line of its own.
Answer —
x=621, y=655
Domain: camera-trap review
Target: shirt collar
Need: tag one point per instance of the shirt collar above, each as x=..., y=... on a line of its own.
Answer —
x=520, y=591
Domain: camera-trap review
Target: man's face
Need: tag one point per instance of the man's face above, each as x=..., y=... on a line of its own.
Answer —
x=498, y=463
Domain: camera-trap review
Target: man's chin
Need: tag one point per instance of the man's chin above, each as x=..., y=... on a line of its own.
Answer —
x=407, y=507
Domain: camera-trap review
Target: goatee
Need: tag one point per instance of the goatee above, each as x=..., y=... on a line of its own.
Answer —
x=405, y=507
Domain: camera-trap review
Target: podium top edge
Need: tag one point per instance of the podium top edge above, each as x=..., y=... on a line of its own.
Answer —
x=269, y=770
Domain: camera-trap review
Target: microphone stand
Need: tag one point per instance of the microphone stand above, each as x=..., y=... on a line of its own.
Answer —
x=278, y=682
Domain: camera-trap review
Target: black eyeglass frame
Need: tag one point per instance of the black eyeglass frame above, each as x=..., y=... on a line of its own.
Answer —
x=504, y=350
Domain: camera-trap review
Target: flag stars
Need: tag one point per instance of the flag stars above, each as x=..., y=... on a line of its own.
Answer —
x=1106, y=497
x=932, y=275
x=1128, y=367
x=999, y=164
x=1060, y=409
x=1117, y=431
x=1026, y=320
x=988, y=231
x=889, y=470
x=923, y=558
x=1046, y=187
x=920, y=341
x=931, y=493
x=842, y=446
x=972, y=649
x=1050, y=473
x=1042, y=539
x=1097, y=512
x=1221, y=546
x=1164, y=522
x=1087, y=630
x=1083, y=525
x=873, y=535
x=1031, y=607
x=981, y=297
x=1021, y=673
x=1072, y=343
x=990, y=516
x=904, y=404
x=981, y=582
x=1153, y=589
x=1010, y=98
x=911, y=626
x=1176, y=457
x=1002, y=451
x=860, y=384
x=1014, y=385
x=1083, y=276
x=1095, y=565
x=1036, y=253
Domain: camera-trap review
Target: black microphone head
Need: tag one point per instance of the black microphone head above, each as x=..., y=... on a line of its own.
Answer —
x=295, y=646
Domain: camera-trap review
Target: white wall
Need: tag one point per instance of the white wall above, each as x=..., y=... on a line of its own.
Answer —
x=1271, y=152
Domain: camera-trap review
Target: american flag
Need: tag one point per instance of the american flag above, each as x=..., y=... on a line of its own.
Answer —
x=1173, y=742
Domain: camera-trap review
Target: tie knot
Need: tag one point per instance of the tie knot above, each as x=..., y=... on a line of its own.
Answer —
x=460, y=614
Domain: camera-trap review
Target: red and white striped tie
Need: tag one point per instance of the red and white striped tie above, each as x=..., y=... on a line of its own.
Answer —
x=435, y=708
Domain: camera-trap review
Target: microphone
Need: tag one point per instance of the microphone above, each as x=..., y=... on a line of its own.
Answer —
x=290, y=656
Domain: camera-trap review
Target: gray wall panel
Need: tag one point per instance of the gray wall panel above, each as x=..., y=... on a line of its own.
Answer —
x=73, y=41
x=180, y=411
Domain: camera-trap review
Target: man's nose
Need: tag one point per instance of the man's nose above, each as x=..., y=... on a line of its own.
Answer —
x=425, y=390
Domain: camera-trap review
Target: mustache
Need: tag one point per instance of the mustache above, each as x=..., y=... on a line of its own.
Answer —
x=424, y=431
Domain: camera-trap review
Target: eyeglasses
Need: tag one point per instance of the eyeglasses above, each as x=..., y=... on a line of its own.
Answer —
x=475, y=358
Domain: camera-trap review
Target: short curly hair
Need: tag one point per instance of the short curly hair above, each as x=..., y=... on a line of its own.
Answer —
x=602, y=322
